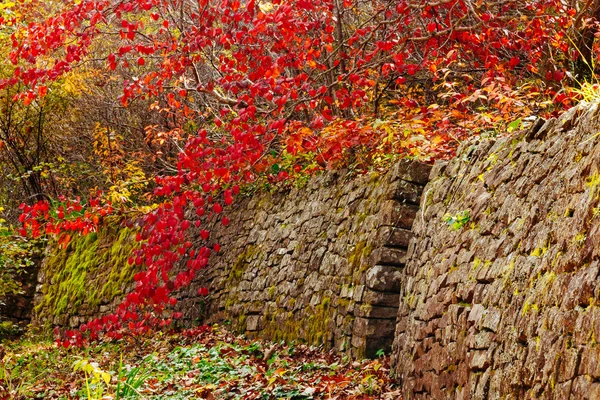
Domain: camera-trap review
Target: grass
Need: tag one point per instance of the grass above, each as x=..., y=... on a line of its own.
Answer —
x=199, y=363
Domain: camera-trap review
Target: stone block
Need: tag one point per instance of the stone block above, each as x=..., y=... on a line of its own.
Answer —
x=383, y=278
x=412, y=171
x=384, y=299
x=369, y=311
x=479, y=360
x=388, y=256
x=252, y=323
x=491, y=320
x=358, y=293
x=397, y=214
x=393, y=237
x=406, y=192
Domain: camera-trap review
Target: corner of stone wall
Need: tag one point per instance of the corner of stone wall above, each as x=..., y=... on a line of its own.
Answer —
x=375, y=321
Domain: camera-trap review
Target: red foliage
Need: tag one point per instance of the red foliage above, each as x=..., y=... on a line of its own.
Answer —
x=300, y=74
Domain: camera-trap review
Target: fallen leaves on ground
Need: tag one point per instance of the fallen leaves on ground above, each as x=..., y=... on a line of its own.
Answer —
x=207, y=363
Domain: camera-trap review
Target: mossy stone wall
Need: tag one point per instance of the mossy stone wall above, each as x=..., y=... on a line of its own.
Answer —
x=506, y=304
x=318, y=264
x=86, y=278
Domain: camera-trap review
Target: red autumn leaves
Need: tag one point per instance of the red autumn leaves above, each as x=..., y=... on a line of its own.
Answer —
x=301, y=77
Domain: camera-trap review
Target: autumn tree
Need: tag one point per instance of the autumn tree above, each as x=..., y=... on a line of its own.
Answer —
x=227, y=92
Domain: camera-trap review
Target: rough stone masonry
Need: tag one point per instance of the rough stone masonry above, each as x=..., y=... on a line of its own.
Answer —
x=319, y=263
x=505, y=305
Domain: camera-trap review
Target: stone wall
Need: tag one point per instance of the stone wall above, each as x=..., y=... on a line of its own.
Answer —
x=87, y=278
x=319, y=264
x=17, y=308
x=499, y=297
x=505, y=305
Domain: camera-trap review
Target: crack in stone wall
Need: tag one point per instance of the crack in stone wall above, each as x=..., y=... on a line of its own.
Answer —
x=507, y=305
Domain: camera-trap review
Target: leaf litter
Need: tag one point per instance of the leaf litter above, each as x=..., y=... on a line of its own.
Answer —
x=203, y=362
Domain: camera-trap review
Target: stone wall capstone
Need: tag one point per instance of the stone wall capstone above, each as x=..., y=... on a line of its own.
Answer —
x=506, y=305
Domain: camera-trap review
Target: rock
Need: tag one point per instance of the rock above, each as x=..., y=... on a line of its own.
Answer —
x=252, y=323
x=388, y=256
x=383, y=278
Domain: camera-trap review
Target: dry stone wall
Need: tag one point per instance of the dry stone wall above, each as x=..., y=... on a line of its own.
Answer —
x=320, y=264
x=506, y=304
x=499, y=297
x=17, y=308
x=87, y=278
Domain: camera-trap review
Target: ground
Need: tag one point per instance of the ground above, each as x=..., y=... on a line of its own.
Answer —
x=206, y=362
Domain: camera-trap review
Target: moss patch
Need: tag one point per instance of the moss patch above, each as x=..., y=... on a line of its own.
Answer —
x=287, y=326
x=90, y=271
x=241, y=263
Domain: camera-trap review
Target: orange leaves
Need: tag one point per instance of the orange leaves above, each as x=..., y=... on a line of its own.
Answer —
x=296, y=138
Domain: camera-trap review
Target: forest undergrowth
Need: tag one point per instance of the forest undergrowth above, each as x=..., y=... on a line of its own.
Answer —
x=203, y=362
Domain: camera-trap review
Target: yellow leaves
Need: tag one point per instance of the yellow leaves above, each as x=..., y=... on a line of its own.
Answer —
x=7, y=5
x=118, y=194
x=76, y=82
x=130, y=182
x=279, y=372
x=94, y=376
x=266, y=7
x=437, y=140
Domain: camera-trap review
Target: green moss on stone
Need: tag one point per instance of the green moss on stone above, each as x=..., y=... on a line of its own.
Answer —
x=241, y=263
x=90, y=270
x=292, y=327
x=356, y=259
x=592, y=182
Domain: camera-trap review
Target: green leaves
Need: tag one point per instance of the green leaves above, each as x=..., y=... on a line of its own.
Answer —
x=456, y=222
x=513, y=126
